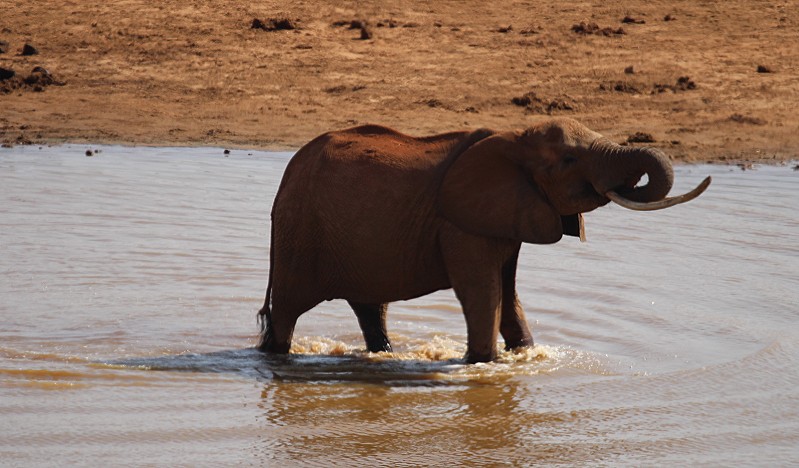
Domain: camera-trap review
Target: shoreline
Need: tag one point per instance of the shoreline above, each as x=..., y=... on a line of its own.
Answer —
x=702, y=82
x=226, y=150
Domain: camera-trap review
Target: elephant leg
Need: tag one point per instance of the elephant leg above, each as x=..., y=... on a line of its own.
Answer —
x=372, y=319
x=280, y=325
x=513, y=325
x=474, y=265
x=481, y=308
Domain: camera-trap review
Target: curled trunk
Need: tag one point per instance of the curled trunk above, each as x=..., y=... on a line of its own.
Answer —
x=620, y=168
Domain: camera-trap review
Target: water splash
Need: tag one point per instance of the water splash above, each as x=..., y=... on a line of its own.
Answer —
x=438, y=359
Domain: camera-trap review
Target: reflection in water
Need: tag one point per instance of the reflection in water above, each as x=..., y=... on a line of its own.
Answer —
x=131, y=281
x=369, y=423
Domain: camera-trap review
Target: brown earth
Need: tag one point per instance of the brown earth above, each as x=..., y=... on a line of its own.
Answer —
x=706, y=80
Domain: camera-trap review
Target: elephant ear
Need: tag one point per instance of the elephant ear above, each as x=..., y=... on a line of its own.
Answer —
x=485, y=192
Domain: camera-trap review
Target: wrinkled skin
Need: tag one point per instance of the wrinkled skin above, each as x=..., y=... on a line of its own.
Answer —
x=373, y=216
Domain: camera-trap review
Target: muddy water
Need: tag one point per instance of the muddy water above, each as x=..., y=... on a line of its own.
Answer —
x=130, y=282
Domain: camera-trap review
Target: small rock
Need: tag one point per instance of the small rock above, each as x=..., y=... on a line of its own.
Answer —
x=6, y=74
x=522, y=101
x=89, y=153
x=40, y=77
x=3, y=47
x=640, y=137
x=505, y=29
x=534, y=103
x=764, y=69
x=629, y=70
x=593, y=28
x=274, y=24
x=796, y=167
x=226, y=152
x=393, y=24
x=434, y=103
x=357, y=24
x=335, y=89
x=747, y=119
x=531, y=30
x=685, y=82
x=669, y=18
x=631, y=20
x=620, y=87
x=28, y=50
x=366, y=34
x=559, y=104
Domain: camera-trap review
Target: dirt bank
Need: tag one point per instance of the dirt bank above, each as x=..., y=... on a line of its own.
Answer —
x=705, y=80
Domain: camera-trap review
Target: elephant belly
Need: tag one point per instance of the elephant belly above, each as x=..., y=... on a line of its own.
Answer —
x=367, y=267
x=358, y=256
x=360, y=226
x=365, y=275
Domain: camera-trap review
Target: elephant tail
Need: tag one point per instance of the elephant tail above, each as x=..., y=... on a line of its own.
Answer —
x=265, y=314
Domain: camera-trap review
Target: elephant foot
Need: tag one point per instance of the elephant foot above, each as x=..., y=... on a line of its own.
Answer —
x=378, y=344
x=474, y=358
x=518, y=344
x=273, y=349
x=268, y=344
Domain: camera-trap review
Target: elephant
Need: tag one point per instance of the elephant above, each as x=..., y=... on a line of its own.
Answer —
x=372, y=216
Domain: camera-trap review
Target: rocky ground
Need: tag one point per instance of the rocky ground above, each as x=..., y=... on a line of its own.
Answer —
x=705, y=81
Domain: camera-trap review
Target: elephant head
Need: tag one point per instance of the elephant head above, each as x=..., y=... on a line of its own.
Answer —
x=533, y=185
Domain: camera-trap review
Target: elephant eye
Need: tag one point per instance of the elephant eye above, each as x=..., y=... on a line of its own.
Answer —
x=569, y=160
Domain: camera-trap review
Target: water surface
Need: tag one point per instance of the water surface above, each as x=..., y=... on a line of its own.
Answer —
x=131, y=280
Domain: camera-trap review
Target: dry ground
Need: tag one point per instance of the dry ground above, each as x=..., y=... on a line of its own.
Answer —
x=194, y=72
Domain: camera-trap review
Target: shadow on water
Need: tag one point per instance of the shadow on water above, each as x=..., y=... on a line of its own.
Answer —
x=393, y=369
x=357, y=367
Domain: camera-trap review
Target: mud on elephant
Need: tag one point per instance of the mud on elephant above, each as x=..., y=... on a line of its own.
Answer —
x=372, y=216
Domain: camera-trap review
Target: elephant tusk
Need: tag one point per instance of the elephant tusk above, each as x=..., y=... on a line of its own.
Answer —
x=659, y=205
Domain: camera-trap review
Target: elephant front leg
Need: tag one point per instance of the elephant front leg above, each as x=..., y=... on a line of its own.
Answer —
x=482, y=310
x=474, y=265
x=480, y=297
x=513, y=324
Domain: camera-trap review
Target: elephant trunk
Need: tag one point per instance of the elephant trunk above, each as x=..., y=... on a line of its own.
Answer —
x=620, y=169
x=623, y=167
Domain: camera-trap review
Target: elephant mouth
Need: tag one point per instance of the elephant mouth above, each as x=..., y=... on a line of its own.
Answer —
x=618, y=197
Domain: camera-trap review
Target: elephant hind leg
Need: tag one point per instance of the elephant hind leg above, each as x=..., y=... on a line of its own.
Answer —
x=278, y=328
x=372, y=319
